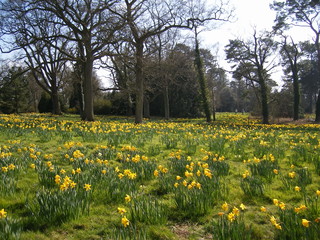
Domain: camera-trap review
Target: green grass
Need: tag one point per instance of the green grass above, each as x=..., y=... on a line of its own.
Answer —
x=216, y=156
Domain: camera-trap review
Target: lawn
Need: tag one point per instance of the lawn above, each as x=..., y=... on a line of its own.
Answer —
x=62, y=178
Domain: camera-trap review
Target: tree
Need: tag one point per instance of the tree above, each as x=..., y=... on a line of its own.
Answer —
x=14, y=94
x=87, y=25
x=290, y=55
x=202, y=79
x=150, y=18
x=303, y=13
x=46, y=62
x=252, y=59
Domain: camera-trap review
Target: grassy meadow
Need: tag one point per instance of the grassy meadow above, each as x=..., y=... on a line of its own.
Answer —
x=61, y=178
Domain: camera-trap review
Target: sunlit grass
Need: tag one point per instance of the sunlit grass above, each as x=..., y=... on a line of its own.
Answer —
x=177, y=173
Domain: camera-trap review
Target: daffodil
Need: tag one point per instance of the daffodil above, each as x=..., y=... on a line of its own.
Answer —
x=263, y=209
x=121, y=210
x=282, y=206
x=125, y=221
x=305, y=223
x=231, y=217
x=11, y=166
x=242, y=206
x=225, y=206
x=292, y=174
x=3, y=213
x=87, y=187
x=127, y=198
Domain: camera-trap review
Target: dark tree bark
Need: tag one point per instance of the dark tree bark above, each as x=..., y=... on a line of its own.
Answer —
x=139, y=82
x=317, y=119
x=146, y=107
x=166, y=103
x=56, y=109
x=264, y=101
x=202, y=80
x=291, y=55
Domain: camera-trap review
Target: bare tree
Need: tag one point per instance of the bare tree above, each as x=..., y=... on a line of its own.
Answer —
x=302, y=13
x=254, y=61
x=290, y=55
x=146, y=19
x=87, y=25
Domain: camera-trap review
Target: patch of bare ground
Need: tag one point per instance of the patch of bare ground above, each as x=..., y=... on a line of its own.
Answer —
x=190, y=232
x=291, y=121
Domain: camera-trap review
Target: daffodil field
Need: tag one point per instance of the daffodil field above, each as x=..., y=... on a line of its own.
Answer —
x=61, y=178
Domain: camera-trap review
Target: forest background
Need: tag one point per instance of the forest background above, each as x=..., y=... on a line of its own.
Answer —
x=58, y=56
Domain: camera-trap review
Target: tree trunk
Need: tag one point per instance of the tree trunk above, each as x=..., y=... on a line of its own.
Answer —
x=317, y=119
x=139, y=83
x=296, y=97
x=56, y=110
x=88, y=90
x=213, y=107
x=130, y=105
x=202, y=83
x=146, y=107
x=81, y=99
x=264, y=102
x=166, y=103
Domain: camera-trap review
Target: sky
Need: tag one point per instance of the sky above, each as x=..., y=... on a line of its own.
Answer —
x=248, y=15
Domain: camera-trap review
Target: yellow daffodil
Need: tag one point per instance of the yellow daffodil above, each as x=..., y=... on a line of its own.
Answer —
x=282, y=206
x=87, y=187
x=125, y=221
x=297, y=188
x=242, y=206
x=121, y=210
x=225, y=206
x=305, y=223
x=3, y=213
x=263, y=209
x=127, y=198
x=292, y=174
x=278, y=226
x=236, y=211
x=231, y=217
x=11, y=166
